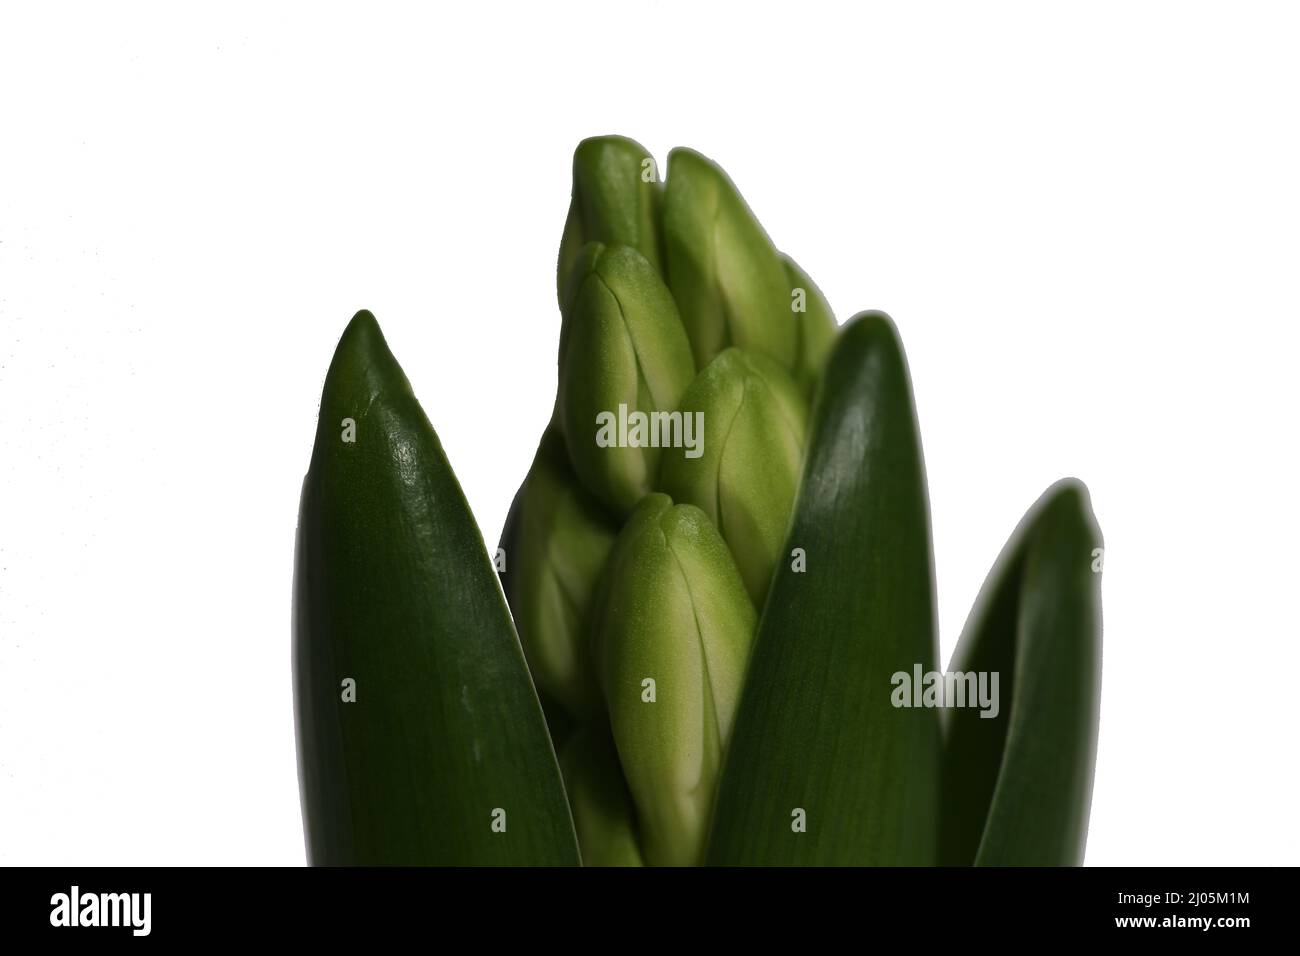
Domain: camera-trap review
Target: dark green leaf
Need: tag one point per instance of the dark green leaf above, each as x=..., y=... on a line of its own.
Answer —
x=394, y=591
x=816, y=731
x=1017, y=787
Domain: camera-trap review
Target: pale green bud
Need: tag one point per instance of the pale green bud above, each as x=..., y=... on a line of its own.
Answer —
x=672, y=633
x=616, y=199
x=727, y=277
x=602, y=808
x=815, y=326
x=755, y=428
x=556, y=544
x=624, y=357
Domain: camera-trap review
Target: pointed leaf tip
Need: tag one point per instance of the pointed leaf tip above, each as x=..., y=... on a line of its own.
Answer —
x=362, y=366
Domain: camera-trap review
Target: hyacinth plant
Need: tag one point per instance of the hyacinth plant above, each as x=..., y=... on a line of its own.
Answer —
x=719, y=572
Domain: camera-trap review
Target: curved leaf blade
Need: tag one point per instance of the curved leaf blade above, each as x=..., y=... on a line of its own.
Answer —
x=816, y=730
x=1018, y=787
x=394, y=591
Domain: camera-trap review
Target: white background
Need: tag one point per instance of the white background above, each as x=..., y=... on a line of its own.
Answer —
x=1085, y=221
